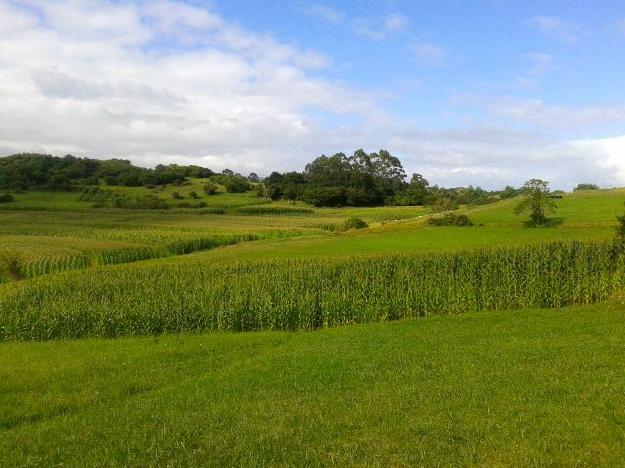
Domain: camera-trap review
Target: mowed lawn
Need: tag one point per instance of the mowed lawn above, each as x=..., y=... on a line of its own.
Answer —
x=532, y=387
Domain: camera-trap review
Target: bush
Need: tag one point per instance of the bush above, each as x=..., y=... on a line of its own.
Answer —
x=354, y=223
x=236, y=184
x=450, y=219
x=210, y=188
x=11, y=266
x=6, y=198
x=176, y=196
x=582, y=187
x=194, y=195
x=274, y=210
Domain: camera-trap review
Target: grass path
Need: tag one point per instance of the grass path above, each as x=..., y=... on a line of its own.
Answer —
x=530, y=387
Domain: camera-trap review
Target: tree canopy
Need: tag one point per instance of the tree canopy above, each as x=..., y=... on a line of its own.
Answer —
x=536, y=201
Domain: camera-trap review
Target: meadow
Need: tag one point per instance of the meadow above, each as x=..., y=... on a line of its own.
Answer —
x=401, y=343
x=512, y=388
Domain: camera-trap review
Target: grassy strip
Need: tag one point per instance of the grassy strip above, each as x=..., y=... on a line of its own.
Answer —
x=304, y=295
x=527, y=388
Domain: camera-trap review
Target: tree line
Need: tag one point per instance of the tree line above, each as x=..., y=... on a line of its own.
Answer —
x=361, y=179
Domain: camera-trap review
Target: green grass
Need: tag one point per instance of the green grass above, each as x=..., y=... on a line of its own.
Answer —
x=580, y=216
x=525, y=388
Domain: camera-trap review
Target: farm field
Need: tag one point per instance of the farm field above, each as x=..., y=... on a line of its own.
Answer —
x=496, y=344
x=312, y=233
x=526, y=387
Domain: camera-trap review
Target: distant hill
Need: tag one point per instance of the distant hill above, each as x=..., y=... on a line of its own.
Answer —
x=31, y=170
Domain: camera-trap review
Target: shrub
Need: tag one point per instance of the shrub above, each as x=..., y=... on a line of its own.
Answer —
x=210, y=188
x=176, y=196
x=11, y=266
x=194, y=195
x=236, y=184
x=6, y=198
x=450, y=219
x=274, y=210
x=354, y=223
x=583, y=187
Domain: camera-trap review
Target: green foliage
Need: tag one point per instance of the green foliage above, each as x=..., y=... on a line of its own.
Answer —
x=273, y=210
x=450, y=219
x=585, y=187
x=442, y=202
x=41, y=171
x=536, y=201
x=6, y=198
x=194, y=195
x=235, y=184
x=11, y=266
x=176, y=196
x=354, y=223
x=305, y=294
x=103, y=198
x=210, y=188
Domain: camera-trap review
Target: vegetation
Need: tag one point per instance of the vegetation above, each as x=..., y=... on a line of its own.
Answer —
x=585, y=187
x=537, y=201
x=28, y=171
x=365, y=179
x=355, y=223
x=6, y=198
x=450, y=219
x=294, y=295
x=243, y=262
x=523, y=388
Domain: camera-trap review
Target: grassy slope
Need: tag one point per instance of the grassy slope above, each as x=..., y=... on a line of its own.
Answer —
x=582, y=216
x=509, y=388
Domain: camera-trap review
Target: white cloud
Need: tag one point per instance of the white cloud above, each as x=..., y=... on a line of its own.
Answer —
x=429, y=53
x=556, y=28
x=324, y=13
x=535, y=111
x=168, y=82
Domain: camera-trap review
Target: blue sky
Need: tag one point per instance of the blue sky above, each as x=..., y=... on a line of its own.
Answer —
x=481, y=92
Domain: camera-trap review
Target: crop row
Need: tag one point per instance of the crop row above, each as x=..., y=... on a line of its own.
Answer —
x=304, y=294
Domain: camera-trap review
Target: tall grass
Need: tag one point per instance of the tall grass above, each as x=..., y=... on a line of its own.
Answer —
x=304, y=294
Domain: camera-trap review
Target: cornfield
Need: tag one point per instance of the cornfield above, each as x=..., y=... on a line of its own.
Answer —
x=304, y=294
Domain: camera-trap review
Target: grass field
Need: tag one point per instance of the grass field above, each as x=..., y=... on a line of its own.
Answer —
x=530, y=387
x=519, y=386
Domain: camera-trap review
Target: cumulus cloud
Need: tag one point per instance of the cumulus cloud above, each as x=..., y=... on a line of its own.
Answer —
x=556, y=28
x=164, y=81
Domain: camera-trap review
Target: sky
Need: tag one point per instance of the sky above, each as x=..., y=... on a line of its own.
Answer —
x=480, y=92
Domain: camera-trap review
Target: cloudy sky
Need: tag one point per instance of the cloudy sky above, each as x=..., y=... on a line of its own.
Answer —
x=483, y=92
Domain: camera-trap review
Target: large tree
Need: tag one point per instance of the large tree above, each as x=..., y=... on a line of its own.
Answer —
x=536, y=201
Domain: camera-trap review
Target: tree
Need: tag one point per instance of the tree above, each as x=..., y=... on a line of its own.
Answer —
x=583, y=187
x=536, y=201
x=253, y=177
x=236, y=184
